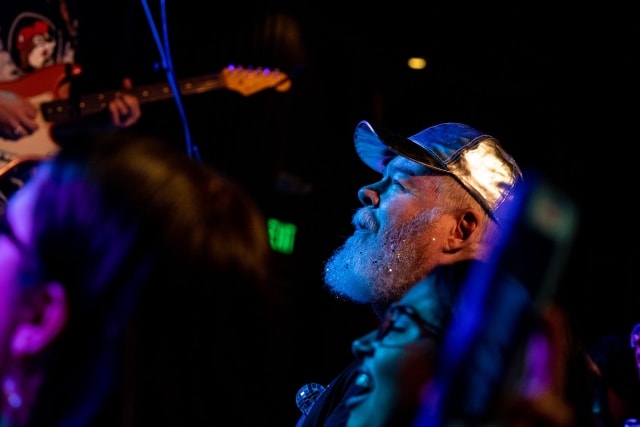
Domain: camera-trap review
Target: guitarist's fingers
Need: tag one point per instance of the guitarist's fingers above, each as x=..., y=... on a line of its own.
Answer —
x=17, y=115
x=28, y=123
x=17, y=128
x=23, y=124
x=14, y=131
x=125, y=109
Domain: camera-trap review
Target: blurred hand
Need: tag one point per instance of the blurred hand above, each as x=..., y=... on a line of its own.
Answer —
x=17, y=116
x=125, y=107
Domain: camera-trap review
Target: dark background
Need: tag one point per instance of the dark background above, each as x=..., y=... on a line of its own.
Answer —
x=558, y=86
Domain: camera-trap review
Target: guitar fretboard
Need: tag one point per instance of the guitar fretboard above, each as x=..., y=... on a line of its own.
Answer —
x=59, y=110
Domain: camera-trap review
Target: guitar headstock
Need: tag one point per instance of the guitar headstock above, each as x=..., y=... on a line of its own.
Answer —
x=248, y=81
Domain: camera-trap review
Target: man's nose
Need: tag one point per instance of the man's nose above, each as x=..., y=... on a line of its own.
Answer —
x=369, y=196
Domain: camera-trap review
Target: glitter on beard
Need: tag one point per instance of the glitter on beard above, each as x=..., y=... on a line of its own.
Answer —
x=379, y=266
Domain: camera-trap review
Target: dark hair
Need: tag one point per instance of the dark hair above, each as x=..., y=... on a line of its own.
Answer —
x=449, y=281
x=124, y=215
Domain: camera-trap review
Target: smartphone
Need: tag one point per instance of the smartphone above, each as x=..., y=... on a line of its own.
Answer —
x=503, y=299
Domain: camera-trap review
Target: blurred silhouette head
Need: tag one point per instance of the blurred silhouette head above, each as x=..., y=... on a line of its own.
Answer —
x=80, y=242
x=400, y=357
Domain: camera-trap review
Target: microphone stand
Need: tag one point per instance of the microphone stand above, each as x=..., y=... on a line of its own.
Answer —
x=167, y=65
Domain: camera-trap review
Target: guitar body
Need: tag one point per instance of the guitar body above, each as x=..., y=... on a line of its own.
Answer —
x=40, y=87
x=39, y=142
x=48, y=79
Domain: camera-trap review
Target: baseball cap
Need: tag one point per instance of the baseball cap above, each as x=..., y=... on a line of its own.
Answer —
x=474, y=158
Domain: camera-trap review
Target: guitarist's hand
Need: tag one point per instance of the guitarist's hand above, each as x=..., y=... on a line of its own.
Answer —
x=125, y=107
x=122, y=111
x=17, y=116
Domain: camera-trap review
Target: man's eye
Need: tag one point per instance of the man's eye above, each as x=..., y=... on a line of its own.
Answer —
x=397, y=183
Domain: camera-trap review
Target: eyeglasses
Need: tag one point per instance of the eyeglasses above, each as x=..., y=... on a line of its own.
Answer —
x=393, y=332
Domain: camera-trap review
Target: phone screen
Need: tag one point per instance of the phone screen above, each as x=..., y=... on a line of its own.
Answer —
x=542, y=228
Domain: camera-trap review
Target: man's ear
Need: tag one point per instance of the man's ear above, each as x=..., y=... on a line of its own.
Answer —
x=45, y=320
x=466, y=224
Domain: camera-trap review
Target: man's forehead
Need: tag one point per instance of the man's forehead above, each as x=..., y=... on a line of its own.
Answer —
x=408, y=166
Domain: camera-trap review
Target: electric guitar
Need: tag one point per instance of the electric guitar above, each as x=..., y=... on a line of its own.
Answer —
x=42, y=86
x=18, y=158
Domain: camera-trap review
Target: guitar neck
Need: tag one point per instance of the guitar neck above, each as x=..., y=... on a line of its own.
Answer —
x=42, y=86
x=64, y=109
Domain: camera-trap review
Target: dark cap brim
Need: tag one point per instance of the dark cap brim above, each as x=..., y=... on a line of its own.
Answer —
x=376, y=148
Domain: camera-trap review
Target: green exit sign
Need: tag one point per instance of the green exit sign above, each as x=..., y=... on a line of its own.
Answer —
x=282, y=235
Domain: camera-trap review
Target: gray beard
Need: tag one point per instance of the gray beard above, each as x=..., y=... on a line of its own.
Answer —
x=379, y=268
